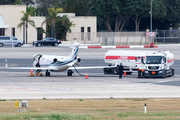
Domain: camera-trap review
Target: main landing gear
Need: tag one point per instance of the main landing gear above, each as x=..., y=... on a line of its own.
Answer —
x=69, y=73
x=47, y=73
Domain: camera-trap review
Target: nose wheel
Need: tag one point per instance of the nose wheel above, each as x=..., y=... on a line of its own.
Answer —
x=69, y=73
x=47, y=73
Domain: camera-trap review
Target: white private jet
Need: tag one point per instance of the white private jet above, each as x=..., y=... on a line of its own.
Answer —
x=56, y=63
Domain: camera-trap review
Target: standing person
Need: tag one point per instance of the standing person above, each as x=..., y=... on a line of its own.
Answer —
x=37, y=64
x=121, y=70
x=139, y=73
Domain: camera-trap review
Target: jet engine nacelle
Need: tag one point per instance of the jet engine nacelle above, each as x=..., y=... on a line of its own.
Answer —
x=55, y=60
x=78, y=59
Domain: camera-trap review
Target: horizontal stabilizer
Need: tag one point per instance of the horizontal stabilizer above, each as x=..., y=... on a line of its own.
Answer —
x=78, y=64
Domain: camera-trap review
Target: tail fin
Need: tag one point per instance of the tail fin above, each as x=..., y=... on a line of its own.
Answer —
x=75, y=49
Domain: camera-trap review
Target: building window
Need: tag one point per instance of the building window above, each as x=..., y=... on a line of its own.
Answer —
x=13, y=31
x=82, y=33
x=39, y=33
x=2, y=31
x=82, y=29
x=89, y=33
x=88, y=29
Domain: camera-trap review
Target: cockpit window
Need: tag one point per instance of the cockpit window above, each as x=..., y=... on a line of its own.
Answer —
x=154, y=59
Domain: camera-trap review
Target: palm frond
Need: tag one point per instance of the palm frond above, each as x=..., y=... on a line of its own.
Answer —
x=21, y=24
x=31, y=22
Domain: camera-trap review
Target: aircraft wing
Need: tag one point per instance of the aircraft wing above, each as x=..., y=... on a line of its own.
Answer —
x=91, y=67
x=28, y=68
x=72, y=63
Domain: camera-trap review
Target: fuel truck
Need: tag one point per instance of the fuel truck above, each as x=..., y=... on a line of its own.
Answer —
x=152, y=63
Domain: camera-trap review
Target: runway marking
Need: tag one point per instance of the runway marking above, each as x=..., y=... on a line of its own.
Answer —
x=161, y=82
x=16, y=88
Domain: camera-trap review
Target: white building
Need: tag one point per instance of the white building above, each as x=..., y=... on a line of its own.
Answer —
x=84, y=26
x=10, y=17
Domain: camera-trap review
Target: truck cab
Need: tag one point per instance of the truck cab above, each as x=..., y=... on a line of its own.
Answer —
x=158, y=64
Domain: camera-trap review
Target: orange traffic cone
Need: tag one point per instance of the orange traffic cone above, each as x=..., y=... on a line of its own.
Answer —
x=31, y=74
x=124, y=73
x=86, y=76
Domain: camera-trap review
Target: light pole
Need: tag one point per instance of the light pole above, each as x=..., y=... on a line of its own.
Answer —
x=151, y=21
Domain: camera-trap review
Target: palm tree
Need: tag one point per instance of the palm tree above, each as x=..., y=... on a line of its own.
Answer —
x=52, y=18
x=24, y=22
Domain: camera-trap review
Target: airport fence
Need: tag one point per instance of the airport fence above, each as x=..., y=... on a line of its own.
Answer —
x=167, y=36
x=110, y=38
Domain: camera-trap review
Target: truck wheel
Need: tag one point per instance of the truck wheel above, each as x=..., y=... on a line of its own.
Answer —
x=1, y=44
x=164, y=76
x=116, y=71
x=172, y=72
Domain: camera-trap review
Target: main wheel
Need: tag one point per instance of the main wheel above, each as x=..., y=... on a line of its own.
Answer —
x=1, y=44
x=69, y=73
x=47, y=73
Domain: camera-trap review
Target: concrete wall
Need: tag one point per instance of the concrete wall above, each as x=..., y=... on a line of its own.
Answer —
x=111, y=38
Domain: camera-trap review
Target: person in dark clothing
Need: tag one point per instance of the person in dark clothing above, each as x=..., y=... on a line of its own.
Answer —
x=37, y=64
x=139, y=73
x=121, y=70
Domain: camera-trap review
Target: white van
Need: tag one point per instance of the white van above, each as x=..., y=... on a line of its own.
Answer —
x=10, y=40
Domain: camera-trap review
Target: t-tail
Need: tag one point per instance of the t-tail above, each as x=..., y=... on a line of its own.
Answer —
x=75, y=50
